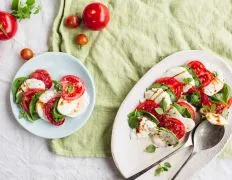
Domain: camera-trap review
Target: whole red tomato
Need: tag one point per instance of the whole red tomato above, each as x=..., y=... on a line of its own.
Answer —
x=96, y=16
x=72, y=21
x=8, y=25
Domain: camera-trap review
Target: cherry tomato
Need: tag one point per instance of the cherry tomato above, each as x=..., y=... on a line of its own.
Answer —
x=48, y=112
x=27, y=96
x=8, y=26
x=72, y=21
x=44, y=76
x=96, y=16
x=81, y=39
x=174, y=125
x=72, y=87
x=26, y=54
x=176, y=86
x=189, y=107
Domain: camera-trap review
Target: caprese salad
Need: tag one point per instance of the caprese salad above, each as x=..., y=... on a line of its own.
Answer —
x=40, y=97
x=171, y=104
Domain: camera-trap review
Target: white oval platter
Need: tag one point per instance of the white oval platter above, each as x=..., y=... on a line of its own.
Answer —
x=129, y=155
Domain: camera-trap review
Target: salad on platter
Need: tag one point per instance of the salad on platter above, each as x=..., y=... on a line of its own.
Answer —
x=40, y=97
x=177, y=101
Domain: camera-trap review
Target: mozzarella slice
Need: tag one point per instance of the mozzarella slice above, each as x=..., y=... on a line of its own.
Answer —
x=188, y=122
x=216, y=119
x=213, y=87
x=180, y=74
x=157, y=95
x=73, y=108
x=145, y=128
x=44, y=98
x=31, y=84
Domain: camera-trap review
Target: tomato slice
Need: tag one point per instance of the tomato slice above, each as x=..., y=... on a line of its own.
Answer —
x=27, y=96
x=48, y=112
x=206, y=78
x=189, y=107
x=174, y=125
x=149, y=106
x=44, y=76
x=197, y=67
x=176, y=86
x=72, y=87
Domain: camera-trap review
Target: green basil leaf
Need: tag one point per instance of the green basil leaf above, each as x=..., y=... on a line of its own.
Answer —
x=158, y=170
x=196, y=80
x=16, y=84
x=32, y=106
x=25, y=115
x=194, y=99
x=30, y=2
x=182, y=110
x=163, y=105
x=15, y=4
x=159, y=110
x=57, y=86
x=150, y=149
x=187, y=80
x=165, y=168
x=167, y=164
x=56, y=114
x=222, y=96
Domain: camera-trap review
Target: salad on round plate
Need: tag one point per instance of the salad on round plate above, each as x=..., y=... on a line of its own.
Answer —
x=176, y=102
x=40, y=97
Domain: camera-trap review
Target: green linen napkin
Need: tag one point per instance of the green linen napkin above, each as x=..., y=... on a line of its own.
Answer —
x=140, y=34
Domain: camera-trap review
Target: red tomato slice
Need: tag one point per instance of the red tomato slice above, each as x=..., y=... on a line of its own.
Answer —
x=171, y=82
x=44, y=76
x=189, y=107
x=149, y=106
x=229, y=103
x=174, y=125
x=27, y=96
x=48, y=112
x=205, y=78
x=205, y=99
x=72, y=87
x=197, y=67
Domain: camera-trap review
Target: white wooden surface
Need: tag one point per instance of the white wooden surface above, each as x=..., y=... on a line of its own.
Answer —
x=25, y=156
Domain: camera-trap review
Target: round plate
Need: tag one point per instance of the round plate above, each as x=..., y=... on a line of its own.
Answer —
x=57, y=64
x=129, y=155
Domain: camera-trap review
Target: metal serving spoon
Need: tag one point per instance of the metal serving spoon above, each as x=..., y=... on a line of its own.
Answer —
x=205, y=136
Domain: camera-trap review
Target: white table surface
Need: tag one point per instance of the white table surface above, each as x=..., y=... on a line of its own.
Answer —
x=25, y=156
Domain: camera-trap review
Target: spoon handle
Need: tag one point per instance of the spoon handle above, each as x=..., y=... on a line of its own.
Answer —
x=190, y=156
x=153, y=165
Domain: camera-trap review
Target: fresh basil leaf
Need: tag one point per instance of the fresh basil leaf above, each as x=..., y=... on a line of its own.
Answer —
x=159, y=110
x=182, y=110
x=19, y=97
x=222, y=96
x=187, y=80
x=57, y=86
x=167, y=164
x=25, y=115
x=213, y=108
x=16, y=84
x=196, y=80
x=30, y=2
x=165, y=168
x=172, y=95
x=55, y=113
x=158, y=170
x=194, y=99
x=32, y=106
x=150, y=149
x=133, y=120
x=163, y=105
x=15, y=4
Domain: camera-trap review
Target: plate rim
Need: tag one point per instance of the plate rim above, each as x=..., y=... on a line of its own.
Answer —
x=142, y=79
x=76, y=60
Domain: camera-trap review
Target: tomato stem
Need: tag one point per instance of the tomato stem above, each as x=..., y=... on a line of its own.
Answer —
x=3, y=30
